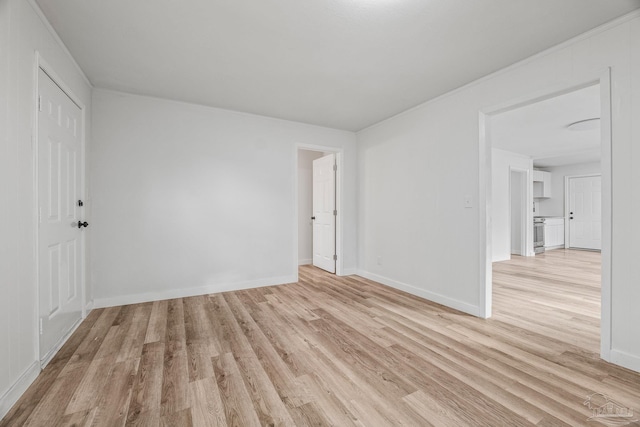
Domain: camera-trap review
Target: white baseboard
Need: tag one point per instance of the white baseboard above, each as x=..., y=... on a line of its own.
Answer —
x=550, y=248
x=190, y=292
x=45, y=361
x=431, y=296
x=626, y=360
x=11, y=396
x=305, y=261
x=88, y=308
x=349, y=271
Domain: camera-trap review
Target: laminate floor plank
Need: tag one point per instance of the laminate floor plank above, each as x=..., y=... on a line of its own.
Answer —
x=344, y=351
x=146, y=391
x=157, y=322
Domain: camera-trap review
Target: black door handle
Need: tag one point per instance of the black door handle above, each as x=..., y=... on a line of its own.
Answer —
x=82, y=224
x=313, y=217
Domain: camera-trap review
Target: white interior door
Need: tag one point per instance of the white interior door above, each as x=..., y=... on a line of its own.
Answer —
x=324, y=213
x=59, y=235
x=585, y=212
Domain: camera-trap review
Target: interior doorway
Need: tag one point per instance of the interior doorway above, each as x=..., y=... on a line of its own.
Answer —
x=305, y=205
x=319, y=192
x=545, y=169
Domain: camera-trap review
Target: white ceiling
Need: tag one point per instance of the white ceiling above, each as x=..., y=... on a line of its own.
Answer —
x=345, y=64
x=540, y=130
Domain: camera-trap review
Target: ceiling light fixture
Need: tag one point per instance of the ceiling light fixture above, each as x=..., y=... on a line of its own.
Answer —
x=587, y=124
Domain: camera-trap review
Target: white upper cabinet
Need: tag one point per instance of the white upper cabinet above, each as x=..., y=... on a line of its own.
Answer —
x=541, y=184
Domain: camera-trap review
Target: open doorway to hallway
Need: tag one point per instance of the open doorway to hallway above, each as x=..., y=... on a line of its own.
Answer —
x=317, y=209
x=548, y=284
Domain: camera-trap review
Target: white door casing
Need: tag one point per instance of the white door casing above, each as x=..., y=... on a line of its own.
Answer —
x=585, y=212
x=324, y=213
x=60, y=245
x=518, y=213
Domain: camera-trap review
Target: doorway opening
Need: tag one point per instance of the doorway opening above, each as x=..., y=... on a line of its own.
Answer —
x=318, y=202
x=574, y=286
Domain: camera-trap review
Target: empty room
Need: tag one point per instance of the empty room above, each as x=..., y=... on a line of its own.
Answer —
x=343, y=212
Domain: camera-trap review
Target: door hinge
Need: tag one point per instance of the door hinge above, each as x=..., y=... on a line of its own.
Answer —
x=40, y=103
x=41, y=326
x=335, y=168
x=335, y=212
x=335, y=257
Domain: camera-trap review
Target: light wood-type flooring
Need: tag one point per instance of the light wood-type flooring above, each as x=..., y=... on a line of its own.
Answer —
x=341, y=351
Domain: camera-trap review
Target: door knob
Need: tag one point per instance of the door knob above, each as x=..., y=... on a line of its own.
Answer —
x=82, y=224
x=313, y=217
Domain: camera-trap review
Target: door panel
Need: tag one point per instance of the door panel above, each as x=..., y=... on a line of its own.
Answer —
x=324, y=202
x=585, y=217
x=59, y=238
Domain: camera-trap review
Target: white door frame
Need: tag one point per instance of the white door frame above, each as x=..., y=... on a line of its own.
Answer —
x=526, y=217
x=339, y=152
x=566, y=203
x=41, y=63
x=485, y=277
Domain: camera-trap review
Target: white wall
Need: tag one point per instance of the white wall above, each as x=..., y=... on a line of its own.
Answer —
x=305, y=205
x=416, y=168
x=554, y=206
x=191, y=200
x=501, y=163
x=21, y=34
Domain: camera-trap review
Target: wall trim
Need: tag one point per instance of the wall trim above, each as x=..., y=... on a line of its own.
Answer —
x=349, y=272
x=17, y=389
x=190, y=292
x=305, y=261
x=563, y=45
x=431, y=296
x=625, y=360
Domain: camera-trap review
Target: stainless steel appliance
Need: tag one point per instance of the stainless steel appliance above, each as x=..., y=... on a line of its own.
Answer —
x=538, y=235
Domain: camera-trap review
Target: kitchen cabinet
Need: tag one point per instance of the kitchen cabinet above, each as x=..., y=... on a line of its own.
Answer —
x=541, y=184
x=554, y=233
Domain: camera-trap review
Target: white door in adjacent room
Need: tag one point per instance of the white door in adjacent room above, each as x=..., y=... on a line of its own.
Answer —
x=585, y=212
x=324, y=213
x=59, y=234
